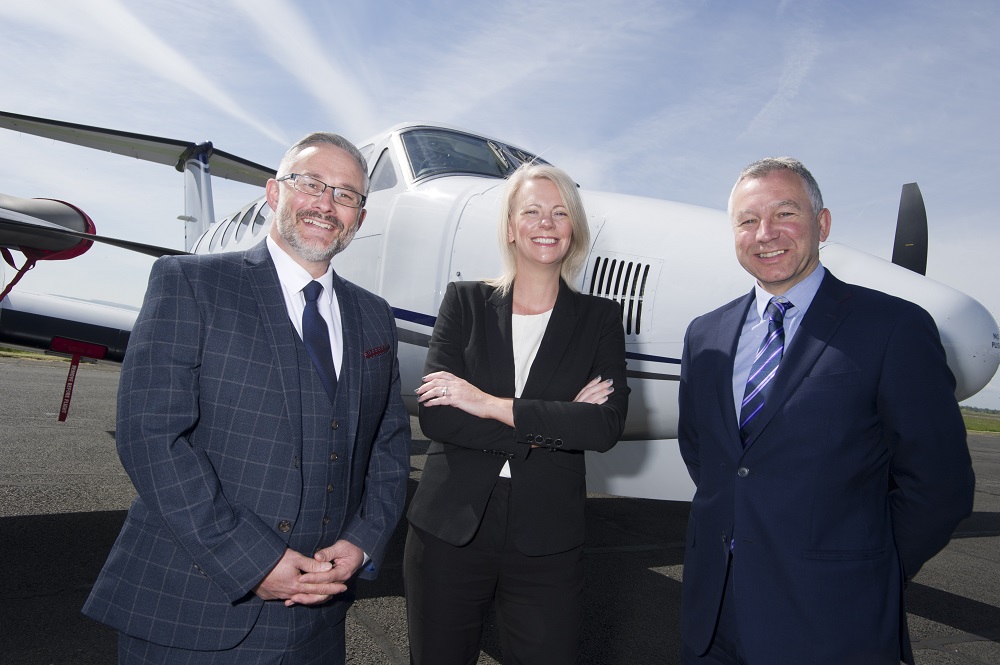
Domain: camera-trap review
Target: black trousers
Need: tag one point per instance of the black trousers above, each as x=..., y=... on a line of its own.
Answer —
x=449, y=589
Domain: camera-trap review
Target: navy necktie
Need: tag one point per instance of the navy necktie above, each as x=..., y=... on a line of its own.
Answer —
x=765, y=365
x=316, y=336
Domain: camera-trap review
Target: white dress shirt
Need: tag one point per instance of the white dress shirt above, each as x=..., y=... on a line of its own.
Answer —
x=293, y=279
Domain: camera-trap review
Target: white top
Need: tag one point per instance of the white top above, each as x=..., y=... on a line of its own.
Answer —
x=527, y=331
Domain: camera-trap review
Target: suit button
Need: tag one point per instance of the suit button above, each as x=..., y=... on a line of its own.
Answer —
x=334, y=425
x=333, y=457
x=559, y=443
x=742, y=472
x=539, y=439
x=326, y=520
x=284, y=526
x=724, y=539
x=329, y=488
x=510, y=456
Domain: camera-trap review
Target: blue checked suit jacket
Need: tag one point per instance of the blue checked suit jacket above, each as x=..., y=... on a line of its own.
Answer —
x=857, y=474
x=210, y=432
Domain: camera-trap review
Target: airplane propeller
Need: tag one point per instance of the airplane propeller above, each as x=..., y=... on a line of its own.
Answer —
x=909, y=248
x=47, y=229
x=8, y=225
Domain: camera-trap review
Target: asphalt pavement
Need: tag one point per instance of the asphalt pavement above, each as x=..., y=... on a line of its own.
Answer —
x=63, y=496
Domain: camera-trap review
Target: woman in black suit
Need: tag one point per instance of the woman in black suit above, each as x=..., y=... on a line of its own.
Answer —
x=523, y=375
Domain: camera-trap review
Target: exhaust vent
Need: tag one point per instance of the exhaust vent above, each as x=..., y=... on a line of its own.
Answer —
x=625, y=281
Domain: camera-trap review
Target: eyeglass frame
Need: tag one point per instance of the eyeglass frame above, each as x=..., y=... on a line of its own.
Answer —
x=293, y=177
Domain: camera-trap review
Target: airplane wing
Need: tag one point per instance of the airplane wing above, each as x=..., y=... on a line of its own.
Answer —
x=140, y=146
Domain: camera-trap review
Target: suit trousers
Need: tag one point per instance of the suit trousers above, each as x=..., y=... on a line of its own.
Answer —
x=449, y=590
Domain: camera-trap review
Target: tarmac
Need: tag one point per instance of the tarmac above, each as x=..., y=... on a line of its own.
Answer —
x=63, y=497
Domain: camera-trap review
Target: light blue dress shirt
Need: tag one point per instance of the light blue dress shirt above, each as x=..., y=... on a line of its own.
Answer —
x=755, y=327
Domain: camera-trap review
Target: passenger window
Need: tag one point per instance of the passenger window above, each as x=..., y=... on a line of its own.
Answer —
x=261, y=218
x=220, y=233
x=245, y=223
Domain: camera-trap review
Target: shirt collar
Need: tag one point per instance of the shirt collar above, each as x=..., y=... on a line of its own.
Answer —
x=293, y=276
x=801, y=295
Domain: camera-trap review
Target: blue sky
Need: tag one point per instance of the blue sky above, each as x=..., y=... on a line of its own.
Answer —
x=653, y=98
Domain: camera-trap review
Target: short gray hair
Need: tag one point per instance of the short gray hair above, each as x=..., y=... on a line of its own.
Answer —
x=325, y=138
x=768, y=165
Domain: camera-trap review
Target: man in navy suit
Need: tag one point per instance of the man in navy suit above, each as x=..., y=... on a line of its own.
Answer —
x=826, y=445
x=266, y=480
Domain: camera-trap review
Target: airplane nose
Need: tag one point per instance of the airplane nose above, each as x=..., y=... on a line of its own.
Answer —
x=969, y=333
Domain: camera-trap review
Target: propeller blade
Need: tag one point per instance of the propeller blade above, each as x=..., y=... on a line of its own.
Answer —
x=909, y=249
x=49, y=232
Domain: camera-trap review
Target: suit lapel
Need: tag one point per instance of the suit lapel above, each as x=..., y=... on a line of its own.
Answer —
x=826, y=313
x=263, y=279
x=350, y=378
x=555, y=342
x=500, y=345
x=730, y=328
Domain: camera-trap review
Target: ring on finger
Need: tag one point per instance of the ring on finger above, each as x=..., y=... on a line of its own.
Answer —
x=444, y=391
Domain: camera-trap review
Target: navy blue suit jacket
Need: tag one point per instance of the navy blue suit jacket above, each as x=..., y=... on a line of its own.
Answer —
x=210, y=432
x=857, y=474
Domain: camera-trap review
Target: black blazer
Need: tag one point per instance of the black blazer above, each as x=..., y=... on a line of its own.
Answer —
x=472, y=339
x=857, y=474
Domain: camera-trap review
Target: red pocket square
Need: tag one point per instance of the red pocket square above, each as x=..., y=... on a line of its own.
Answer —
x=377, y=351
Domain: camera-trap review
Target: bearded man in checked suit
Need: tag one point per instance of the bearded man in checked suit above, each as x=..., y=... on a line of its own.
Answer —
x=265, y=485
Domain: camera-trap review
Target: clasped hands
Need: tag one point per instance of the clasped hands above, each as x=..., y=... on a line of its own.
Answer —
x=300, y=580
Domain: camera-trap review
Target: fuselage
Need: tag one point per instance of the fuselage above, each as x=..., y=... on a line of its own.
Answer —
x=433, y=215
x=432, y=218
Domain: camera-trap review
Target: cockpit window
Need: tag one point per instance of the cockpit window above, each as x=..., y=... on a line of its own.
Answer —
x=435, y=152
x=383, y=175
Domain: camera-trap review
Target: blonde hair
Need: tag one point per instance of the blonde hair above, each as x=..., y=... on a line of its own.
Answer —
x=579, y=244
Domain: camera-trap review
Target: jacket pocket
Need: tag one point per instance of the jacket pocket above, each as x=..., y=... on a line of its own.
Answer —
x=843, y=555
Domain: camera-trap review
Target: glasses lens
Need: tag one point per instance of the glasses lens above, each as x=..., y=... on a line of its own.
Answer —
x=313, y=187
x=346, y=197
x=307, y=185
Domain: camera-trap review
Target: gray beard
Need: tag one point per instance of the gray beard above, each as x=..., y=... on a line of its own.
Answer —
x=310, y=252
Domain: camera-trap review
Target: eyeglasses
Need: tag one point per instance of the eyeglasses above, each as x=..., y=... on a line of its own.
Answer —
x=313, y=187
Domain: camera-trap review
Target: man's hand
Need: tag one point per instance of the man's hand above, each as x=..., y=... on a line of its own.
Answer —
x=290, y=581
x=345, y=559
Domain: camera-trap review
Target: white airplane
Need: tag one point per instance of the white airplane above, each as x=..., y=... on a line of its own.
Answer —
x=432, y=215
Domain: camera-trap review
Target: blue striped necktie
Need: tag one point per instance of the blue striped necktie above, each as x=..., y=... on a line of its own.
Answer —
x=316, y=336
x=765, y=365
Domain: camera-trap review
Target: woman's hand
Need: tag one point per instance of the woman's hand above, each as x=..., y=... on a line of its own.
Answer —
x=446, y=389
x=596, y=391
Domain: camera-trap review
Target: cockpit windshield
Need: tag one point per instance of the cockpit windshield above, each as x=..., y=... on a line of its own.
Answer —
x=433, y=151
